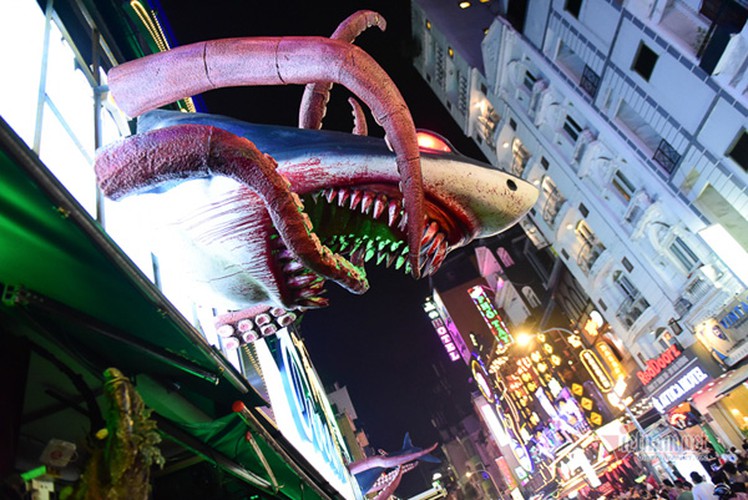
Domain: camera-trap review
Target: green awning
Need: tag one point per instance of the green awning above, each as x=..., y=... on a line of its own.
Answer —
x=63, y=279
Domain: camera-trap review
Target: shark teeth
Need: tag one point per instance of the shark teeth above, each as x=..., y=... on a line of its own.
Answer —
x=391, y=253
x=304, y=288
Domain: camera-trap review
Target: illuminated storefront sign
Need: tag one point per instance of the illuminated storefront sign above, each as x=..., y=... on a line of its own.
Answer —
x=735, y=315
x=611, y=360
x=441, y=329
x=506, y=473
x=597, y=372
x=655, y=366
x=483, y=380
x=490, y=315
x=301, y=410
x=691, y=380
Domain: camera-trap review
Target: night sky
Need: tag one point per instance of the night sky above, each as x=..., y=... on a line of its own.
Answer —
x=380, y=345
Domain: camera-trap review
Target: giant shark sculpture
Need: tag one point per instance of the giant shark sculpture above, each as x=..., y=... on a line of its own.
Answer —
x=382, y=473
x=260, y=217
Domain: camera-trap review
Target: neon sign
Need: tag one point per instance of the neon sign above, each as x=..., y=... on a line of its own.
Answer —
x=685, y=384
x=616, y=369
x=441, y=329
x=655, y=366
x=483, y=380
x=597, y=372
x=490, y=315
x=301, y=410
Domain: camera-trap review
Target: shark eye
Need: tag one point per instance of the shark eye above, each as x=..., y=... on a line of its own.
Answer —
x=431, y=142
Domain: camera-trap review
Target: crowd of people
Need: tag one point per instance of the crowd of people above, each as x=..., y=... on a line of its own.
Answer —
x=728, y=479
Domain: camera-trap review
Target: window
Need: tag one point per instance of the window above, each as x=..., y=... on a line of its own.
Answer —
x=544, y=162
x=504, y=257
x=583, y=210
x=531, y=296
x=739, y=151
x=683, y=254
x=572, y=128
x=520, y=155
x=623, y=185
x=573, y=7
x=512, y=124
x=529, y=80
x=644, y=61
x=625, y=285
x=627, y=265
x=585, y=234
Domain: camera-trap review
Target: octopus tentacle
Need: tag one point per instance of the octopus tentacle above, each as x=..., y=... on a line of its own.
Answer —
x=316, y=95
x=162, y=78
x=389, y=490
x=359, y=119
x=387, y=461
x=192, y=151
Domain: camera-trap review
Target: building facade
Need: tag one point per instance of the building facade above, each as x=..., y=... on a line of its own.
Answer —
x=631, y=118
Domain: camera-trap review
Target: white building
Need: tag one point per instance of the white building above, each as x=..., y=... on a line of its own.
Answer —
x=631, y=118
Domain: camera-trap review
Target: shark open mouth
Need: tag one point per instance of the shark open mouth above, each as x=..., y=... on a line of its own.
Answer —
x=366, y=225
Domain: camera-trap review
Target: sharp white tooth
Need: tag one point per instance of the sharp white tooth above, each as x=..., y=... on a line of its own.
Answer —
x=391, y=258
x=429, y=232
x=435, y=243
x=379, y=204
x=380, y=257
x=393, y=212
x=403, y=221
x=315, y=196
x=400, y=261
x=395, y=245
x=357, y=256
x=301, y=281
x=293, y=266
x=330, y=194
x=439, y=256
x=381, y=245
x=367, y=202
x=286, y=254
x=343, y=195
x=370, y=252
x=356, y=197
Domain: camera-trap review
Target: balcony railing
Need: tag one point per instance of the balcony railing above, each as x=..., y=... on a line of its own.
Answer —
x=590, y=81
x=588, y=255
x=666, y=156
x=552, y=207
x=631, y=309
x=487, y=127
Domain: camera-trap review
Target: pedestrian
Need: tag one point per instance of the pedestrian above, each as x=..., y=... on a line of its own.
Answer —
x=702, y=489
x=684, y=490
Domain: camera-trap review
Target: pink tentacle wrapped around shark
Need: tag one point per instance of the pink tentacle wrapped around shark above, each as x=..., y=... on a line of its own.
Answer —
x=163, y=78
x=191, y=151
x=316, y=95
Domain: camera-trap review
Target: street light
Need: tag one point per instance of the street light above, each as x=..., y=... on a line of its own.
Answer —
x=472, y=472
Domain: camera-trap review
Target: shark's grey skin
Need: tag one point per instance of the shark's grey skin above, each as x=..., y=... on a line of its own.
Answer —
x=222, y=237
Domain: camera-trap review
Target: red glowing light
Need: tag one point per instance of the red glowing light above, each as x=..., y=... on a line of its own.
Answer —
x=428, y=141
